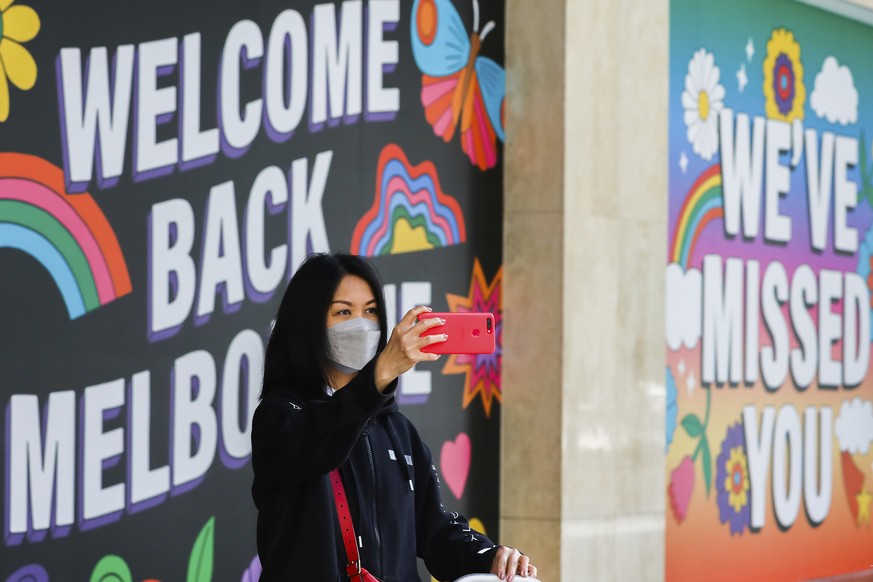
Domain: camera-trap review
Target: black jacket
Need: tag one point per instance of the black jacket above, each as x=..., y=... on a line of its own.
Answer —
x=389, y=478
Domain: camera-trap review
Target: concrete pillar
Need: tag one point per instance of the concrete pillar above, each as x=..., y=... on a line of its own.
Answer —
x=582, y=471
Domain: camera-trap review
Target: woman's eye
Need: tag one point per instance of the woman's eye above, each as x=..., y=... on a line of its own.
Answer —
x=372, y=310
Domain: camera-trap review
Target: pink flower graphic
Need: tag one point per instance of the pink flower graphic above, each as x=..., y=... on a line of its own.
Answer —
x=680, y=488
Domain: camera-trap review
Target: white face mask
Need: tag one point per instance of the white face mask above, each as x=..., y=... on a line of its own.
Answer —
x=353, y=343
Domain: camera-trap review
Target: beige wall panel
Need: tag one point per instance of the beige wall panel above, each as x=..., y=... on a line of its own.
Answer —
x=534, y=105
x=531, y=415
x=584, y=249
x=539, y=539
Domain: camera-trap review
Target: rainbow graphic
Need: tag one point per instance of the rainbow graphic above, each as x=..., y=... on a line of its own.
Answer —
x=702, y=205
x=410, y=212
x=68, y=234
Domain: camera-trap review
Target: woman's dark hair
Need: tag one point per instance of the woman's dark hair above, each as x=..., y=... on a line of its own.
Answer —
x=296, y=359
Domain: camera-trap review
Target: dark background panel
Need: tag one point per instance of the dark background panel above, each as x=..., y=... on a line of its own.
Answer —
x=43, y=351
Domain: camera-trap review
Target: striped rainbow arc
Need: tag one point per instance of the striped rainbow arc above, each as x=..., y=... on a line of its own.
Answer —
x=410, y=196
x=702, y=205
x=67, y=233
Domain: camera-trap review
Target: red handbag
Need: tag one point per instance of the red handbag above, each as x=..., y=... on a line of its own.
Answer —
x=354, y=570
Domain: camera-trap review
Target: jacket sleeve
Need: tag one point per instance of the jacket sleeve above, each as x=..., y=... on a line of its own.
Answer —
x=302, y=440
x=445, y=541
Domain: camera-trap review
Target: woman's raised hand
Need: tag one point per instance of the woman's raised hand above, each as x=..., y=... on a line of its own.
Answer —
x=404, y=346
x=508, y=562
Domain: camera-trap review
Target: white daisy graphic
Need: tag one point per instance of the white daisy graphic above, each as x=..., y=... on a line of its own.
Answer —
x=702, y=100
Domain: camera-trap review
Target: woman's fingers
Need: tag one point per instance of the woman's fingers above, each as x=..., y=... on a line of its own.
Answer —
x=427, y=340
x=508, y=561
x=407, y=335
x=422, y=341
x=498, y=565
x=429, y=322
x=403, y=349
x=426, y=324
x=531, y=570
x=416, y=329
x=512, y=565
x=436, y=338
x=408, y=320
x=523, y=563
x=406, y=342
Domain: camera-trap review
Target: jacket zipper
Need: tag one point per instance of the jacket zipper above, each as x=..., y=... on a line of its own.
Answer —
x=373, y=502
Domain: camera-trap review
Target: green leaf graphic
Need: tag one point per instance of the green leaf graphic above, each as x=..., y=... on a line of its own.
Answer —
x=692, y=425
x=200, y=562
x=707, y=464
x=111, y=568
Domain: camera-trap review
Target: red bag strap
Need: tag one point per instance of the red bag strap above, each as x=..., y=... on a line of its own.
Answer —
x=353, y=569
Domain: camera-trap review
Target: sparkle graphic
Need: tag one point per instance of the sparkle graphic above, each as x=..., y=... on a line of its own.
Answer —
x=750, y=50
x=691, y=383
x=482, y=370
x=742, y=78
x=683, y=162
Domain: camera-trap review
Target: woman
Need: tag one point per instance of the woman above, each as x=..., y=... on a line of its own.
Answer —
x=328, y=402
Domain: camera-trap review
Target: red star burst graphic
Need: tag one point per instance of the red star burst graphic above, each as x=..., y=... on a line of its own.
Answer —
x=482, y=370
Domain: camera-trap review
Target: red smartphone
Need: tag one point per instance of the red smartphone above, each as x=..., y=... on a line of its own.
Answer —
x=469, y=333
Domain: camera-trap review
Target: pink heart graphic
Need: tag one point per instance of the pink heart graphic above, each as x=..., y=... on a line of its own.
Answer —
x=455, y=463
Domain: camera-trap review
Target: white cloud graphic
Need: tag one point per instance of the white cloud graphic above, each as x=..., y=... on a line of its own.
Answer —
x=854, y=426
x=683, y=306
x=835, y=97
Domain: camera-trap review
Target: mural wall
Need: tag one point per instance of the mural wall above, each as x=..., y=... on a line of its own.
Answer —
x=164, y=168
x=769, y=468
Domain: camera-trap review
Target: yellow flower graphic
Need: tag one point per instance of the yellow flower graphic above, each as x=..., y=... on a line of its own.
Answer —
x=736, y=483
x=18, y=24
x=784, y=91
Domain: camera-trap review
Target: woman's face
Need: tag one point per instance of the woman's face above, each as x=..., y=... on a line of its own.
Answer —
x=353, y=298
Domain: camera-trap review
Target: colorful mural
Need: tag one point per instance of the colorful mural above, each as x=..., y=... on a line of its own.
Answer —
x=157, y=192
x=769, y=468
